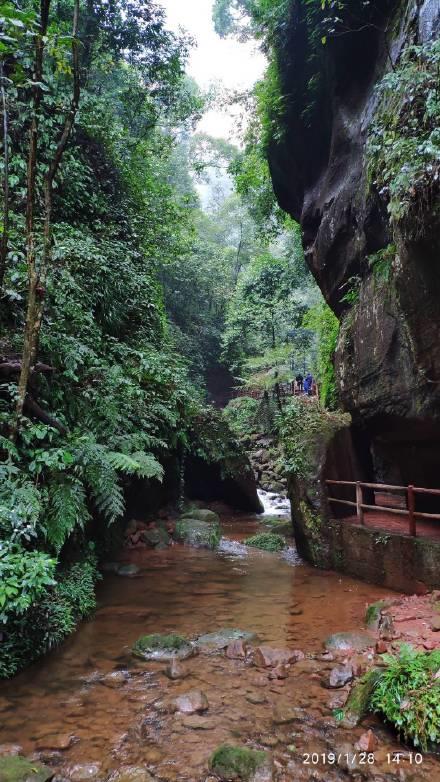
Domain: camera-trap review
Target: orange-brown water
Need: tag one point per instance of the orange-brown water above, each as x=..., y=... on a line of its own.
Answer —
x=195, y=591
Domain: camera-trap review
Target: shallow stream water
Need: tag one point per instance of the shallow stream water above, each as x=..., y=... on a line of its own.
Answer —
x=89, y=725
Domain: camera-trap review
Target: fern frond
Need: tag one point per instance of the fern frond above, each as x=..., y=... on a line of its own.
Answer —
x=142, y=464
x=67, y=509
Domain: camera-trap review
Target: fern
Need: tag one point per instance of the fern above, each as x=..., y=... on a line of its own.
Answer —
x=142, y=464
x=67, y=509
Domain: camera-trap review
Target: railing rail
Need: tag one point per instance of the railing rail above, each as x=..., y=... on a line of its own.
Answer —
x=410, y=492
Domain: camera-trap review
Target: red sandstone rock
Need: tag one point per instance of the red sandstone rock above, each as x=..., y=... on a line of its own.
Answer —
x=279, y=672
x=429, y=645
x=10, y=749
x=268, y=657
x=381, y=647
x=236, y=650
x=367, y=742
x=192, y=702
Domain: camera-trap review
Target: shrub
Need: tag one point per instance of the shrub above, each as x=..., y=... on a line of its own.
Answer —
x=408, y=695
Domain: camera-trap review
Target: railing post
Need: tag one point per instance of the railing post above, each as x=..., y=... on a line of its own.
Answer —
x=359, y=503
x=411, y=509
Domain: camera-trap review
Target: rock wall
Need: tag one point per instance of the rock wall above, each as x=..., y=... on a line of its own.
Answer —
x=388, y=355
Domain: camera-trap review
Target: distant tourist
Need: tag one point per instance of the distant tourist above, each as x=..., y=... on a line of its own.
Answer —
x=299, y=381
x=308, y=384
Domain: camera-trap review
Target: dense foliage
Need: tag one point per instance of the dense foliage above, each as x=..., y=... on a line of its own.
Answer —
x=404, y=139
x=407, y=695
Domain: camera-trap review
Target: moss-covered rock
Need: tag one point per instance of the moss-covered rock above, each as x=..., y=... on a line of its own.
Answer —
x=373, y=613
x=240, y=764
x=162, y=647
x=268, y=541
x=14, y=768
x=197, y=533
x=358, y=702
x=202, y=514
x=157, y=537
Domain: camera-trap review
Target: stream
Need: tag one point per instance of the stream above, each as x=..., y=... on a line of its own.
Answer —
x=90, y=709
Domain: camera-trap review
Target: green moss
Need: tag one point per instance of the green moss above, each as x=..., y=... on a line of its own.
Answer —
x=197, y=533
x=236, y=763
x=372, y=614
x=14, y=768
x=268, y=541
x=202, y=514
x=156, y=642
x=358, y=703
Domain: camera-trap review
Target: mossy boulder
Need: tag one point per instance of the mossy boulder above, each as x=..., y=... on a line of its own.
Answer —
x=220, y=639
x=202, y=514
x=162, y=647
x=358, y=702
x=282, y=527
x=197, y=533
x=157, y=537
x=267, y=541
x=14, y=768
x=240, y=764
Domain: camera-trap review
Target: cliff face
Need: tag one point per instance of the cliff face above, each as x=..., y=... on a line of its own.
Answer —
x=388, y=355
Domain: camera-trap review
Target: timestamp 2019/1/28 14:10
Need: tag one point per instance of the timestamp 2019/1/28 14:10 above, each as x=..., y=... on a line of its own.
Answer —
x=360, y=758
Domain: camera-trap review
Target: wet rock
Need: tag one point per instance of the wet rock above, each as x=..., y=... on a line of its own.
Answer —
x=340, y=675
x=269, y=657
x=60, y=741
x=240, y=764
x=435, y=624
x=82, y=772
x=367, y=742
x=115, y=679
x=162, y=647
x=283, y=714
x=156, y=537
x=15, y=768
x=175, y=670
x=128, y=571
x=10, y=749
x=374, y=611
x=201, y=514
x=346, y=642
x=131, y=774
x=279, y=672
x=236, y=649
x=197, y=722
x=256, y=698
x=222, y=638
x=381, y=647
x=197, y=533
x=192, y=702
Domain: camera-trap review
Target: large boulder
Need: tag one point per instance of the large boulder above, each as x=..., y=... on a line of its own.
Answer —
x=197, y=533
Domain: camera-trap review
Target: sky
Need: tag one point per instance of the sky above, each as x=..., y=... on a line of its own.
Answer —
x=236, y=65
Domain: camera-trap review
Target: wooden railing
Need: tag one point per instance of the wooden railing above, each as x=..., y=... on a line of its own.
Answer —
x=409, y=495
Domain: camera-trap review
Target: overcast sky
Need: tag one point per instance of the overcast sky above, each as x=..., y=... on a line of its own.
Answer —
x=234, y=64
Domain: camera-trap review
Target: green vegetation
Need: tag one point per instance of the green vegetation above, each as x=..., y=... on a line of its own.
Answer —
x=51, y=611
x=238, y=763
x=267, y=541
x=404, y=139
x=305, y=427
x=407, y=695
x=14, y=768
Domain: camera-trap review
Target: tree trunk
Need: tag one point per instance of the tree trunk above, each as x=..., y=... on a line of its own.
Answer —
x=37, y=280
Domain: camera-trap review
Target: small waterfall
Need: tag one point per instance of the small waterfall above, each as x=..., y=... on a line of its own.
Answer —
x=273, y=504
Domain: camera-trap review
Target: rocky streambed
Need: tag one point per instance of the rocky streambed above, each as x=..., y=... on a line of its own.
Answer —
x=246, y=685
